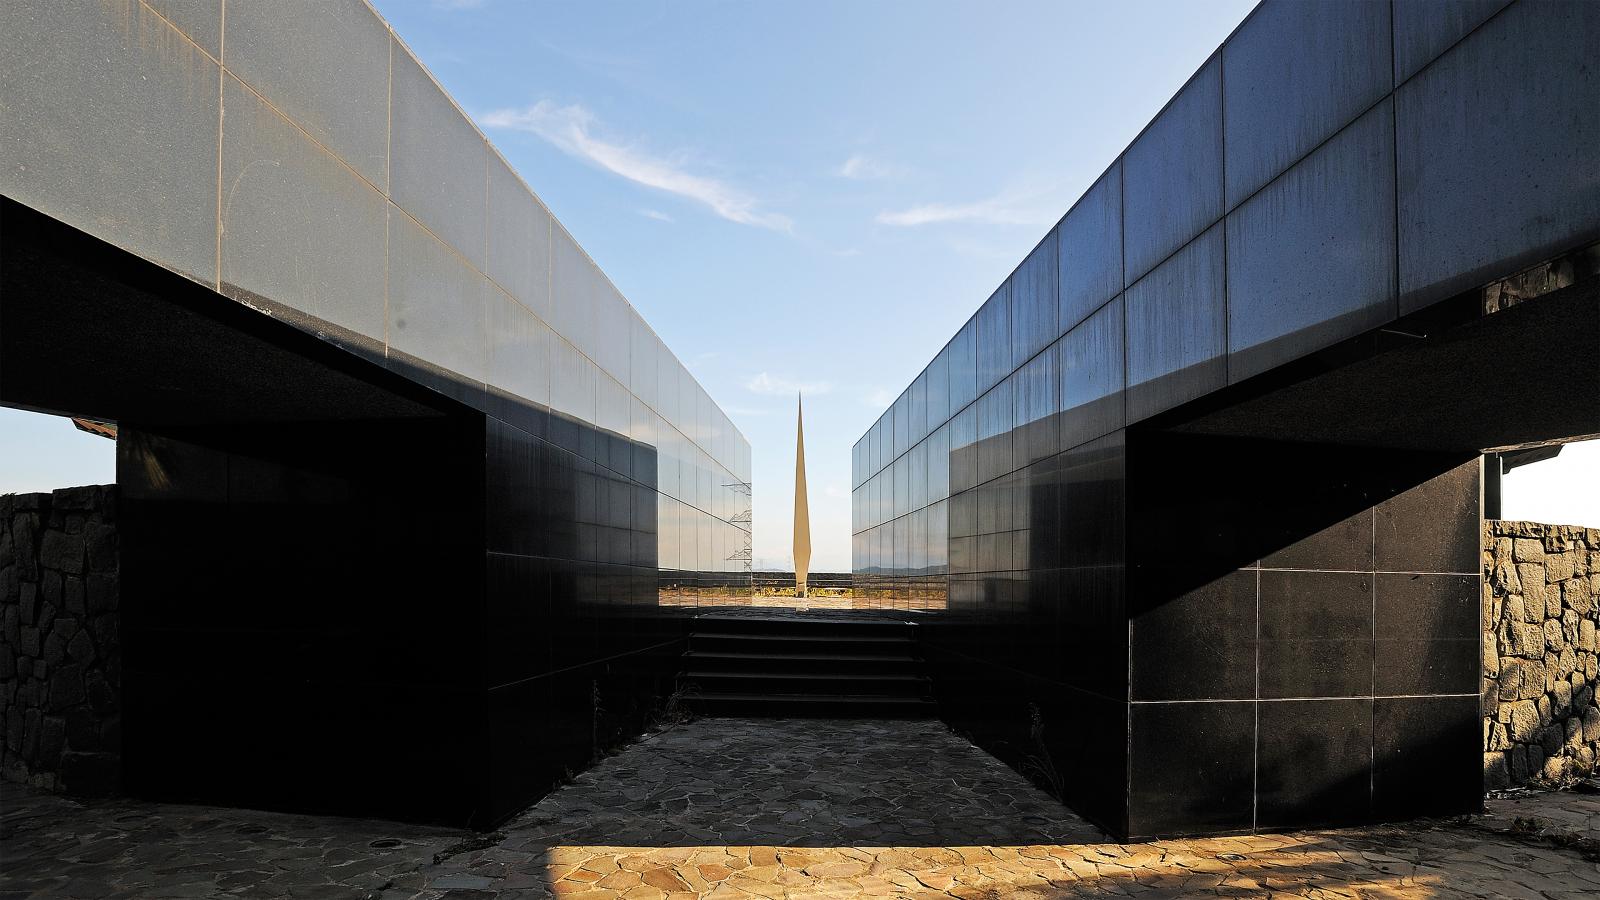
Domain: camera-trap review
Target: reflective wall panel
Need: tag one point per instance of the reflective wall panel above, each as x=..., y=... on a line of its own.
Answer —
x=1091, y=370
x=1172, y=174
x=1425, y=28
x=359, y=203
x=438, y=161
x=1328, y=62
x=325, y=66
x=1089, y=269
x=1175, y=329
x=1311, y=257
x=1475, y=205
x=1332, y=170
x=519, y=240
x=289, y=198
x=74, y=81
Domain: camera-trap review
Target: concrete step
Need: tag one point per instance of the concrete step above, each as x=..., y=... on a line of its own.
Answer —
x=819, y=683
x=812, y=644
x=799, y=661
x=826, y=706
x=823, y=666
x=819, y=625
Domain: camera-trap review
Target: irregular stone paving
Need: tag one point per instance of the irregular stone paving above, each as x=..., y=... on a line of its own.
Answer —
x=803, y=783
x=1576, y=813
x=779, y=601
x=812, y=614
x=730, y=808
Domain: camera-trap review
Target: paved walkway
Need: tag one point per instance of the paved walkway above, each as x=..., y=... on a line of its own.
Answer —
x=729, y=808
x=814, y=602
x=812, y=614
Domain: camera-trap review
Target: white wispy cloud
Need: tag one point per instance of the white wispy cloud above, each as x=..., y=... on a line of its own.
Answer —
x=1018, y=206
x=572, y=129
x=656, y=214
x=879, y=398
x=978, y=249
x=767, y=383
x=862, y=168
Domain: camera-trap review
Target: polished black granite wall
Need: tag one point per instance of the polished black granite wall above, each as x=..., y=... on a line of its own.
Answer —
x=1232, y=237
x=385, y=221
x=443, y=307
x=1303, y=634
x=1210, y=634
x=390, y=232
x=302, y=615
x=344, y=589
x=1289, y=252
x=438, y=642
x=579, y=652
x=1031, y=656
x=496, y=626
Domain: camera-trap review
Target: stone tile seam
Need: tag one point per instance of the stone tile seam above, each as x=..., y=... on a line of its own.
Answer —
x=1372, y=668
x=1305, y=699
x=598, y=369
x=507, y=554
x=991, y=389
x=1255, y=746
x=1394, y=158
x=602, y=465
x=390, y=201
x=1227, y=352
x=1366, y=571
x=1227, y=211
x=397, y=41
x=222, y=81
x=1122, y=565
x=184, y=34
x=583, y=665
x=990, y=481
x=388, y=150
x=1222, y=165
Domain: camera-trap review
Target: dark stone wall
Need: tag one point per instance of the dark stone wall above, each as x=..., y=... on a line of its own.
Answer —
x=302, y=615
x=345, y=587
x=1303, y=634
x=1030, y=657
x=434, y=619
x=578, y=653
x=60, y=650
x=1232, y=634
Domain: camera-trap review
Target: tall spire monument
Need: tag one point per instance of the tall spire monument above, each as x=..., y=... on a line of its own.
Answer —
x=802, y=508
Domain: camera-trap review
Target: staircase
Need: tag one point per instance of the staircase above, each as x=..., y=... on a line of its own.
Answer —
x=804, y=665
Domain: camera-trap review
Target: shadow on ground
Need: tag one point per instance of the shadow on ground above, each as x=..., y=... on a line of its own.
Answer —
x=803, y=783
x=730, y=808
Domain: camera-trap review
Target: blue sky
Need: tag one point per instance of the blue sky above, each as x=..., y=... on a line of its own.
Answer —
x=809, y=195
x=799, y=195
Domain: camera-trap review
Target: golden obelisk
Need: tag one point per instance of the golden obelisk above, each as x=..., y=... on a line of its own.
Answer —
x=802, y=509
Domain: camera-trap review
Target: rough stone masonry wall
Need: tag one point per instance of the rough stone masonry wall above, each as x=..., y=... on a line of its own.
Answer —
x=60, y=660
x=1541, y=584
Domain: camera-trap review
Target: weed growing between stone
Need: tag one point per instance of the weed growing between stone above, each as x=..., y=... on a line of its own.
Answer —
x=1038, y=765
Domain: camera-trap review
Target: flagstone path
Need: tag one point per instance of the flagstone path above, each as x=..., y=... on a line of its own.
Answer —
x=733, y=809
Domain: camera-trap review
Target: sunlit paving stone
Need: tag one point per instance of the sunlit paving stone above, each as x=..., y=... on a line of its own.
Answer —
x=733, y=808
